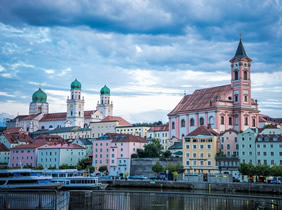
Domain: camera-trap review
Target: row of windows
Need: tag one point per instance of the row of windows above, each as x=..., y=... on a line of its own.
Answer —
x=22, y=158
x=22, y=151
x=270, y=145
x=192, y=122
x=227, y=138
x=201, y=155
x=197, y=140
x=198, y=163
x=201, y=146
x=236, y=75
x=272, y=162
x=131, y=129
x=158, y=135
x=265, y=153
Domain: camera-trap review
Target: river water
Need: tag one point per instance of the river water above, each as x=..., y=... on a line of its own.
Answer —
x=139, y=198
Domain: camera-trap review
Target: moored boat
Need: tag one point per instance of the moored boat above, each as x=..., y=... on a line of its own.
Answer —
x=73, y=179
x=26, y=179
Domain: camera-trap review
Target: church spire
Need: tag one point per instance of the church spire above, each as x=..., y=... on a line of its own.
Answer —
x=240, y=53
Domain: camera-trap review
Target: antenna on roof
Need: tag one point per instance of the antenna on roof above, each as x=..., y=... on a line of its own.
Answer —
x=184, y=92
x=240, y=36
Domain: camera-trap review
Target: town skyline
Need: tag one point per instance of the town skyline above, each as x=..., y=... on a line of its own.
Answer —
x=147, y=60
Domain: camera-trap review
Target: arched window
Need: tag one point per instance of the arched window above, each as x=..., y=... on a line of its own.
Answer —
x=266, y=138
x=27, y=129
x=50, y=126
x=222, y=120
x=245, y=75
x=275, y=138
x=182, y=123
x=78, y=96
x=192, y=122
x=85, y=125
x=230, y=120
x=246, y=121
x=259, y=138
x=42, y=127
x=202, y=121
x=236, y=75
x=254, y=122
x=211, y=120
x=173, y=125
x=79, y=113
x=71, y=96
x=71, y=113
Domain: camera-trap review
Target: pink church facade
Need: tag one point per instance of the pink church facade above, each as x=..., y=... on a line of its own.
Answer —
x=114, y=150
x=221, y=108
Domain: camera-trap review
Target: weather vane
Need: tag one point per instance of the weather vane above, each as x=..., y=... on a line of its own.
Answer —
x=240, y=36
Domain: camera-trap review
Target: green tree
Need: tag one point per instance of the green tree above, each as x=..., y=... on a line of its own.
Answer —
x=52, y=167
x=175, y=175
x=157, y=168
x=179, y=168
x=276, y=171
x=64, y=166
x=152, y=150
x=244, y=169
x=39, y=167
x=28, y=166
x=166, y=154
x=103, y=168
x=90, y=168
x=171, y=168
x=134, y=156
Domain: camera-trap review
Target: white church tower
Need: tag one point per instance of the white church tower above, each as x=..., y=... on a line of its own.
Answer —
x=75, y=106
x=39, y=103
x=105, y=106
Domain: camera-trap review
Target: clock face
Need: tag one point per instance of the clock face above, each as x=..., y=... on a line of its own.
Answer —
x=109, y=109
x=71, y=106
x=79, y=105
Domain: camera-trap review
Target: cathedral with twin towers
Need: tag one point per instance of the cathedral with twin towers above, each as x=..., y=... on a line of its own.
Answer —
x=40, y=118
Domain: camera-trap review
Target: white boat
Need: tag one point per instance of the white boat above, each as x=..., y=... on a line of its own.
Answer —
x=26, y=179
x=74, y=179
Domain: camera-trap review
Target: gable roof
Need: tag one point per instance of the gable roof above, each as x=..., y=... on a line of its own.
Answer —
x=229, y=130
x=200, y=99
x=13, y=130
x=202, y=130
x=36, y=144
x=30, y=117
x=3, y=148
x=159, y=128
x=120, y=120
x=176, y=145
x=61, y=146
x=119, y=137
x=84, y=141
x=61, y=116
x=14, y=138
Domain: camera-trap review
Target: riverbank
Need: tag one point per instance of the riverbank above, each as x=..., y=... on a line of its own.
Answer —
x=224, y=187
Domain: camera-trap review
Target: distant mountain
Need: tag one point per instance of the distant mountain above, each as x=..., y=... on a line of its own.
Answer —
x=3, y=116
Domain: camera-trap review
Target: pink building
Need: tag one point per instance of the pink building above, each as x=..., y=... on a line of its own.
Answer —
x=222, y=107
x=114, y=150
x=229, y=145
x=25, y=154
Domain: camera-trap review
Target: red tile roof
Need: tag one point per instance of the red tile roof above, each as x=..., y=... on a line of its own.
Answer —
x=13, y=138
x=30, y=146
x=61, y=116
x=3, y=148
x=200, y=99
x=159, y=128
x=13, y=130
x=121, y=121
x=202, y=130
x=119, y=137
x=61, y=146
x=30, y=117
x=50, y=138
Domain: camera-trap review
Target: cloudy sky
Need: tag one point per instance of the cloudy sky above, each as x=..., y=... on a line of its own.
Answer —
x=147, y=52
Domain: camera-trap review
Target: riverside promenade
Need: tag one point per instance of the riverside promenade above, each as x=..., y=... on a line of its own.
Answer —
x=209, y=187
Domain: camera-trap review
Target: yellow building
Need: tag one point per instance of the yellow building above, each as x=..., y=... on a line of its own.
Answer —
x=199, y=151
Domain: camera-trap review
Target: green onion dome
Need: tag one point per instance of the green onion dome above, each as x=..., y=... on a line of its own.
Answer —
x=76, y=85
x=105, y=90
x=39, y=96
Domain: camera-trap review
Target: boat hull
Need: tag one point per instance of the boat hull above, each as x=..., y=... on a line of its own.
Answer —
x=56, y=186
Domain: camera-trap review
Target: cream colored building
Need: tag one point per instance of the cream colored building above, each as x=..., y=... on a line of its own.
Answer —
x=199, y=151
x=161, y=132
x=107, y=125
x=133, y=130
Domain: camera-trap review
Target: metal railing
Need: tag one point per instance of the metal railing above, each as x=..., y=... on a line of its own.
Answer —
x=34, y=199
x=167, y=201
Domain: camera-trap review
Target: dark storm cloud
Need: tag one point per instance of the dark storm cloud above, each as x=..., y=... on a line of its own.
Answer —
x=152, y=17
